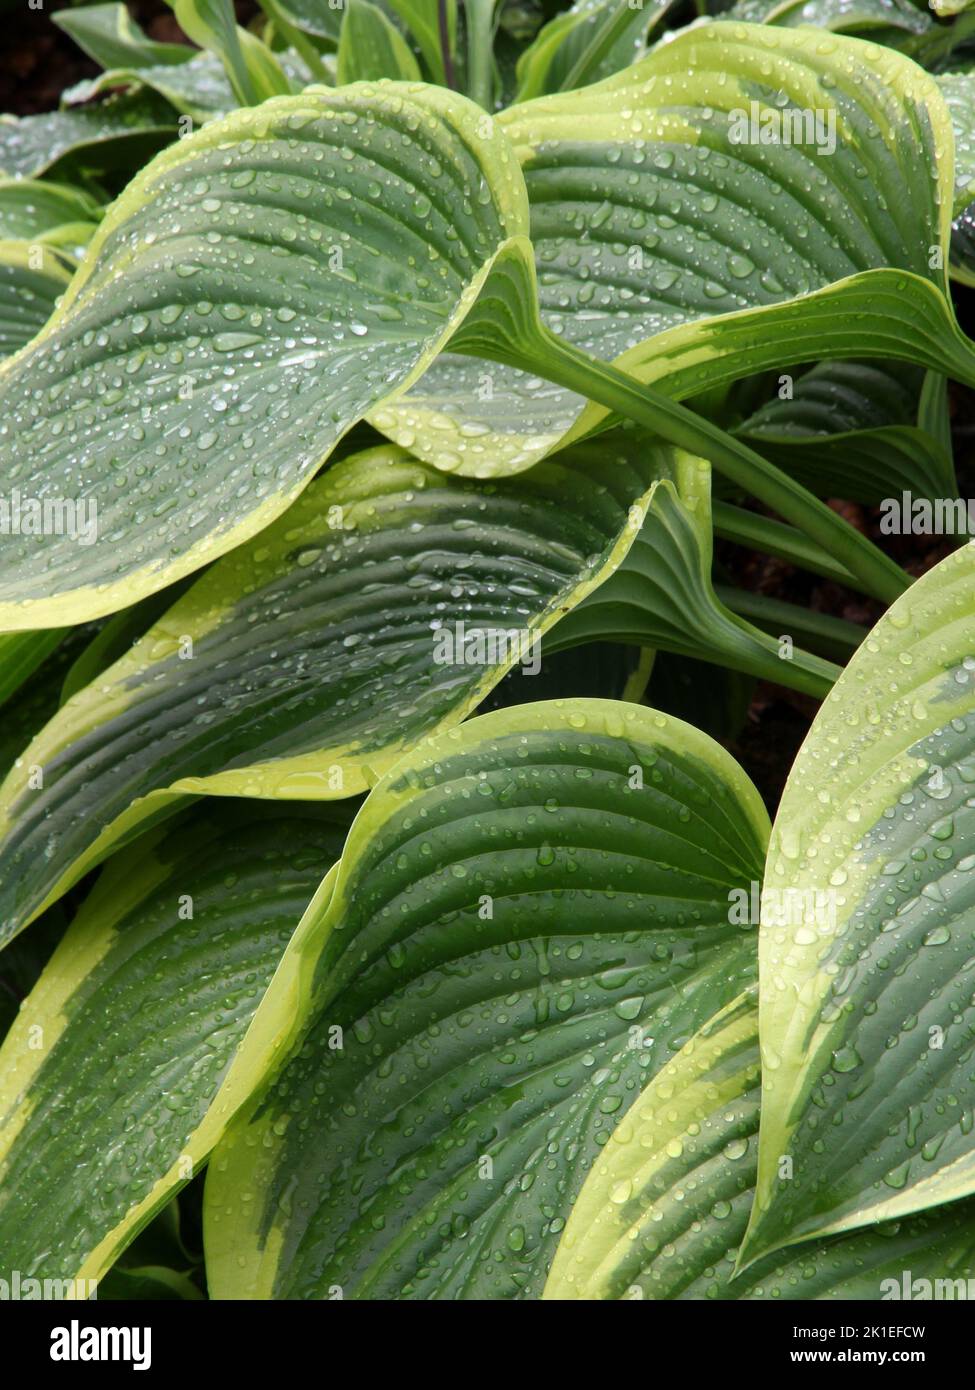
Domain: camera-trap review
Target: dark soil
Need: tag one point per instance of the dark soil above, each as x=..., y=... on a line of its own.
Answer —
x=40, y=61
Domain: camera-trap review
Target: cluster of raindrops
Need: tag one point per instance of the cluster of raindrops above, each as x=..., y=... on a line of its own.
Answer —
x=880, y=812
x=153, y=1028
x=313, y=646
x=650, y=225
x=257, y=291
x=501, y=971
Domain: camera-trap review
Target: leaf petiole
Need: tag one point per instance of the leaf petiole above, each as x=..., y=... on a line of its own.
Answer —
x=773, y=537
x=600, y=381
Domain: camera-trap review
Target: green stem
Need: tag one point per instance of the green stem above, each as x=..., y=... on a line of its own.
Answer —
x=480, y=52
x=600, y=381
x=446, y=53
x=833, y=638
x=775, y=538
x=218, y=33
x=661, y=597
x=726, y=639
x=937, y=44
x=294, y=37
x=614, y=26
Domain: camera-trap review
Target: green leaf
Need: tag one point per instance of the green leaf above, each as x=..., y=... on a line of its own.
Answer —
x=481, y=69
x=199, y=89
x=110, y=36
x=963, y=246
x=838, y=16
x=690, y=259
x=371, y=47
x=907, y=25
x=519, y=932
x=851, y=430
x=280, y=31
x=69, y=241
x=662, y=596
x=153, y=1283
x=836, y=639
x=422, y=21
x=322, y=18
x=946, y=8
x=304, y=664
x=33, y=216
x=32, y=280
x=31, y=210
x=190, y=349
x=213, y=25
x=934, y=413
x=668, y=1198
x=23, y=961
x=866, y=1003
x=120, y=131
x=591, y=40
x=175, y=948
x=958, y=90
x=30, y=681
x=666, y=1203
x=20, y=655
x=252, y=69
x=267, y=72
x=114, y=638
x=836, y=398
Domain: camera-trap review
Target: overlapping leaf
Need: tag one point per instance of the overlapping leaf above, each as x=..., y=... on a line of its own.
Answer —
x=110, y=36
x=666, y=1204
x=44, y=228
x=530, y=916
x=670, y=238
x=35, y=210
x=589, y=41
x=851, y=429
x=305, y=662
x=252, y=69
x=122, y=131
x=198, y=89
x=201, y=528
x=867, y=938
x=252, y=294
x=32, y=280
x=129, y=1054
x=662, y=595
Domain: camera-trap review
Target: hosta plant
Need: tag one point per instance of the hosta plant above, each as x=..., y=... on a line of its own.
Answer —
x=389, y=394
